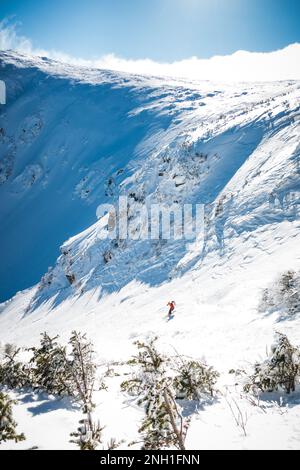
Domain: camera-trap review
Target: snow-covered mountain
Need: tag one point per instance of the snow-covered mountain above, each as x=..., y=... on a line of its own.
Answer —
x=73, y=138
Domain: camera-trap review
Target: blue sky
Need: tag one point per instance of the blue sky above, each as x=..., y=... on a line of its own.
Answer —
x=162, y=30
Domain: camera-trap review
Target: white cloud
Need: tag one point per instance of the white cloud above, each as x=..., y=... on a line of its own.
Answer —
x=283, y=64
x=9, y=39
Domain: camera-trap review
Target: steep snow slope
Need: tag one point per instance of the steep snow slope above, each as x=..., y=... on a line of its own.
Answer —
x=245, y=169
x=234, y=148
x=73, y=138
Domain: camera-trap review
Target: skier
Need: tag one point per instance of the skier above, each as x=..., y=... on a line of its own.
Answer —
x=171, y=304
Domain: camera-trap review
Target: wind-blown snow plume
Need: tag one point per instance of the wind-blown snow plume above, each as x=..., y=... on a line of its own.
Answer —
x=283, y=64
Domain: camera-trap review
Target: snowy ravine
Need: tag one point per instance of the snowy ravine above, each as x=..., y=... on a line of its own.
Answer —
x=72, y=138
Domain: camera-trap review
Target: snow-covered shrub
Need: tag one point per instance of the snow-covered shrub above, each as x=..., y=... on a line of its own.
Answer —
x=88, y=435
x=289, y=286
x=56, y=371
x=283, y=295
x=147, y=363
x=9, y=349
x=159, y=381
x=163, y=425
x=148, y=356
x=14, y=373
x=281, y=370
x=194, y=379
x=82, y=370
x=7, y=424
x=50, y=367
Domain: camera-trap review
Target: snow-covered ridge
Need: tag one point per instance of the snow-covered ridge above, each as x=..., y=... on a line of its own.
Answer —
x=86, y=74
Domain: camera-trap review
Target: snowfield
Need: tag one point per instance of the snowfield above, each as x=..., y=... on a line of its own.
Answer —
x=73, y=138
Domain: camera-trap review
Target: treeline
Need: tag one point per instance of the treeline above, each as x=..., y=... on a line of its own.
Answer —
x=162, y=385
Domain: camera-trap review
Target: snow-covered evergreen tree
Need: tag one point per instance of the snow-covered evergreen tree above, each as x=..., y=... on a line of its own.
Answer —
x=82, y=370
x=280, y=370
x=50, y=367
x=163, y=426
x=289, y=287
x=283, y=295
x=7, y=424
x=13, y=372
x=148, y=357
x=147, y=363
x=194, y=379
